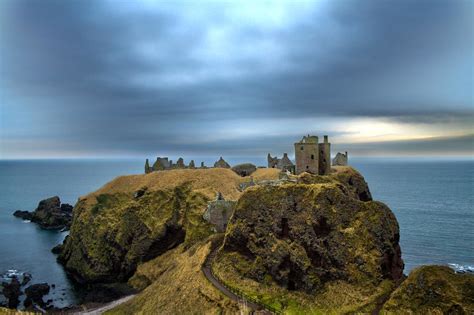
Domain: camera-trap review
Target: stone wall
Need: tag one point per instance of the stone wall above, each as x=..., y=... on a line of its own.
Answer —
x=307, y=156
x=324, y=157
x=340, y=159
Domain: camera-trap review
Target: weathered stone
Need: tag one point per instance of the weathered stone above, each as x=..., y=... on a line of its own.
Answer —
x=218, y=212
x=147, y=167
x=180, y=163
x=283, y=164
x=340, y=159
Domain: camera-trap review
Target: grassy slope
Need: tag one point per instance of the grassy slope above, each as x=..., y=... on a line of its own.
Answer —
x=177, y=286
x=112, y=230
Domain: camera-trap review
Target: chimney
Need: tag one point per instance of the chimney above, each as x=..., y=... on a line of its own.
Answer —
x=326, y=139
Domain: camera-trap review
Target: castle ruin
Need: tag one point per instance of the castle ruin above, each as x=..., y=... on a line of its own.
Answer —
x=312, y=156
x=163, y=164
x=340, y=159
x=283, y=164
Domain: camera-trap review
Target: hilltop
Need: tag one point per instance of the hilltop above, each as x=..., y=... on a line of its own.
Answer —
x=295, y=244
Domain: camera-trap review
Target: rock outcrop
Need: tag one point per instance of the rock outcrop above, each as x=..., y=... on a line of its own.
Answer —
x=12, y=292
x=34, y=295
x=304, y=235
x=433, y=290
x=50, y=214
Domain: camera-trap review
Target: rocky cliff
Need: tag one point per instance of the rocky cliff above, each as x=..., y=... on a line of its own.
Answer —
x=305, y=245
x=304, y=237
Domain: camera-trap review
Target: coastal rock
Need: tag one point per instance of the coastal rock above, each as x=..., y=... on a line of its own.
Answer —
x=433, y=290
x=304, y=235
x=50, y=214
x=12, y=292
x=26, y=278
x=245, y=169
x=57, y=249
x=34, y=294
x=25, y=215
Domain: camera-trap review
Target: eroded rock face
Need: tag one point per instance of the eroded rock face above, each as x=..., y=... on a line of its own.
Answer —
x=433, y=290
x=304, y=235
x=110, y=238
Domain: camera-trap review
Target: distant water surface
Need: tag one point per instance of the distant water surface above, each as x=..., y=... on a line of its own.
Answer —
x=24, y=247
x=432, y=200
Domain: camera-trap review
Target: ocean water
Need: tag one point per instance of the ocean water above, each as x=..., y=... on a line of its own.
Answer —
x=433, y=200
x=24, y=247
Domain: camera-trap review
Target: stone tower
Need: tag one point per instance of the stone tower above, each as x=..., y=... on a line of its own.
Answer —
x=307, y=155
x=325, y=157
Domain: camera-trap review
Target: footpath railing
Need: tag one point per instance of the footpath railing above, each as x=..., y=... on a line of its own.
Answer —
x=244, y=296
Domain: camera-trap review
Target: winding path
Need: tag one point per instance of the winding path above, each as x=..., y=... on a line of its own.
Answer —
x=106, y=307
x=206, y=269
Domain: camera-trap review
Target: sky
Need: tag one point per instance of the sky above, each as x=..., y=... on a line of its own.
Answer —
x=235, y=78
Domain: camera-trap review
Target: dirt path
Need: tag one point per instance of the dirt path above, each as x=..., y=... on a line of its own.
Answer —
x=105, y=307
x=206, y=269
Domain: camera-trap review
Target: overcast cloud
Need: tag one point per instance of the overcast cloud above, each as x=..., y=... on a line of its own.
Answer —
x=128, y=78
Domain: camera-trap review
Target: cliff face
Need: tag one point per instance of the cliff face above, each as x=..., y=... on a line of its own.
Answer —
x=309, y=236
x=109, y=239
x=305, y=235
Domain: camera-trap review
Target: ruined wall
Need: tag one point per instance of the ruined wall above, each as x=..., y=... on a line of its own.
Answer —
x=340, y=159
x=307, y=156
x=324, y=157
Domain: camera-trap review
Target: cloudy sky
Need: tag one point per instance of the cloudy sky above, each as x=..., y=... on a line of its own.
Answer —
x=236, y=78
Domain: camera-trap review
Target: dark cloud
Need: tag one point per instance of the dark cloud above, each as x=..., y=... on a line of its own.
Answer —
x=126, y=77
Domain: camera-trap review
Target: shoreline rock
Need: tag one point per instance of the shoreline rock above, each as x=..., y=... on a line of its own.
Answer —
x=34, y=294
x=50, y=214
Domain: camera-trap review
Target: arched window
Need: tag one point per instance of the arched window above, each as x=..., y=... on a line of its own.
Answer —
x=312, y=156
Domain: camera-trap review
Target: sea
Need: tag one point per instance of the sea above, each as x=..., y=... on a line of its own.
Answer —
x=432, y=198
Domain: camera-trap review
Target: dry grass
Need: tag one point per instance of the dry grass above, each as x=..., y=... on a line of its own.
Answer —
x=7, y=311
x=265, y=173
x=178, y=286
x=206, y=181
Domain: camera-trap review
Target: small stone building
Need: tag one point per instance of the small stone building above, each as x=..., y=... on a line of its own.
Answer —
x=340, y=159
x=218, y=212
